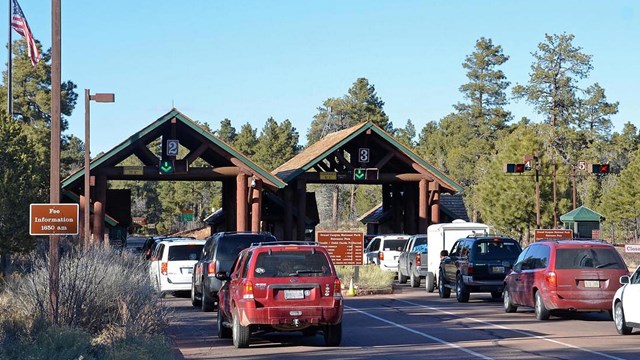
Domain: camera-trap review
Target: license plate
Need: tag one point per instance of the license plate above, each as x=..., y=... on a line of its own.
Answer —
x=591, y=283
x=293, y=294
x=187, y=270
x=497, y=269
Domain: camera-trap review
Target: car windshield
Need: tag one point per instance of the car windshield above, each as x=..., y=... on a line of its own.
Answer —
x=496, y=249
x=393, y=245
x=292, y=263
x=184, y=252
x=230, y=246
x=588, y=258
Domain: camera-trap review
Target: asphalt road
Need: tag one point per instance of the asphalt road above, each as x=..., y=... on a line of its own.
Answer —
x=414, y=324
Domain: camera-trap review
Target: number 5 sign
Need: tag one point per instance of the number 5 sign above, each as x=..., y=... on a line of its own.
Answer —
x=363, y=155
x=582, y=165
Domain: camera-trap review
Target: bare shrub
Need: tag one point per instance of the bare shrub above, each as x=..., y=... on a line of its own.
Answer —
x=100, y=289
x=370, y=277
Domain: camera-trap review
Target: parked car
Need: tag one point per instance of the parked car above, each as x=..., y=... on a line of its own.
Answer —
x=626, y=312
x=384, y=251
x=134, y=244
x=217, y=255
x=477, y=264
x=172, y=263
x=290, y=286
x=412, y=262
x=572, y=275
x=150, y=244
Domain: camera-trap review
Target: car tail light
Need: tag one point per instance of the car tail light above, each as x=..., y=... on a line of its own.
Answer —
x=247, y=290
x=418, y=261
x=336, y=287
x=470, y=269
x=380, y=255
x=551, y=278
x=163, y=268
x=211, y=269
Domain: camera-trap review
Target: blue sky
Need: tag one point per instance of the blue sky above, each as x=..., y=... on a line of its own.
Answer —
x=249, y=60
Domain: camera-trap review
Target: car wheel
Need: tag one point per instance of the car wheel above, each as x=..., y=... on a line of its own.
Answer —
x=508, y=305
x=496, y=295
x=443, y=291
x=401, y=278
x=194, y=300
x=542, y=313
x=618, y=319
x=333, y=334
x=206, y=302
x=240, y=333
x=462, y=293
x=430, y=282
x=414, y=280
x=223, y=331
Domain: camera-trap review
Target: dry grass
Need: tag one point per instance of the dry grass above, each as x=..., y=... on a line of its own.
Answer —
x=370, y=277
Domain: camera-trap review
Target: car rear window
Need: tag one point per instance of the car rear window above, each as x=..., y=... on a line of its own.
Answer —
x=496, y=249
x=184, y=252
x=420, y=244
x=393, y=244
x=589, y=258
x=230, y=246
x=292, y=263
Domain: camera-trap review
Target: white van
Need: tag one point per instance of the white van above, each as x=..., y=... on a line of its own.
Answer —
x=441, y=237
x=384, y=250
x=172, y=264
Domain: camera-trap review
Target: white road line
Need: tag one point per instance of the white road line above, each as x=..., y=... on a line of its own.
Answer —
x=514, y=330
x=470, y=352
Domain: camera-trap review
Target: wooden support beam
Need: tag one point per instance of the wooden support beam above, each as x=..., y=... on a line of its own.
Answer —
x=145, y=155
x=256, y=204
x=241, y=201
x=347, y=165
x=423, y=206
x=384, y=160
x=194, y=154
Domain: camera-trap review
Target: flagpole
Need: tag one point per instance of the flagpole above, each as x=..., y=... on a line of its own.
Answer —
x=10, y=70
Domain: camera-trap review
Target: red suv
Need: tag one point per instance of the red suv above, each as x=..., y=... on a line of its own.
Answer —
x=281, y=286
x=573, y=275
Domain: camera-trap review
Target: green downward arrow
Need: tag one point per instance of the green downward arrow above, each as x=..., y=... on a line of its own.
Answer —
x=359, y=174
x=166, y=167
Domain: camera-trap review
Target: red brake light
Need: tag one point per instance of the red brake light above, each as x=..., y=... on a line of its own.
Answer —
x=470, y=269
x=211, y=269
x=551, y=279
x=247, y=291
x=337, y=287
x=163, y=268
x=380, y=255
x=418, y=261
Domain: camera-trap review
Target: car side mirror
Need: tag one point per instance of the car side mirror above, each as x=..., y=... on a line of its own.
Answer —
x=222, y=275
x=624, y=279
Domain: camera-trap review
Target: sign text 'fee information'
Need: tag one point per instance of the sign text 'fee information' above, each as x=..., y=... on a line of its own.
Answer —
x=344, y=247
x=53, y=219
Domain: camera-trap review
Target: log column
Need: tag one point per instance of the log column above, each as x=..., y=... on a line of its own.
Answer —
x=256, y=204
x=241, y=202
x=99, y=208
x=434, y=187
x=423, y=207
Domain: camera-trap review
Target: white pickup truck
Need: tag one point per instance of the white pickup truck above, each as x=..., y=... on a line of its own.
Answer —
x=412, y=263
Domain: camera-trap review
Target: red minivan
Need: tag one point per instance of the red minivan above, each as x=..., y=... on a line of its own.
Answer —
x=281, y=286
x=572, y=275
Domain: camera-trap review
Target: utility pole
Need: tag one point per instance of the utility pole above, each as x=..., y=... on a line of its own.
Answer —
x=536, y=161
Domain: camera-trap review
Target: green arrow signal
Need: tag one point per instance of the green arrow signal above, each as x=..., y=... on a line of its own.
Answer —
x=358, y=174
x=166, y=167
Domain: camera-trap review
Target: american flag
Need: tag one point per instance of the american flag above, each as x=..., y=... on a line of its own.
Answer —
x=20, y=25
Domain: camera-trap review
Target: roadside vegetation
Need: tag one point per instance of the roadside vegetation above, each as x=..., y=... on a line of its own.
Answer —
x=370, y=279
x=108, y=309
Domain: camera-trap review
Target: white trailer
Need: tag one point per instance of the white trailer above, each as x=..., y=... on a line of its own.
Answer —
x=441, y=237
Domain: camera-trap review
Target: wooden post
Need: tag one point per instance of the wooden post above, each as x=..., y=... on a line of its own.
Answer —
x=99, y=208
x=256, y=204
x=423, y=207
x=288, y=213
x=301, y=195
x=435, y=203
x=241, y=202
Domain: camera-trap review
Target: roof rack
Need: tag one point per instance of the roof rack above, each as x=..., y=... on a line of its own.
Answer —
x=285, y=243
x=573, y=239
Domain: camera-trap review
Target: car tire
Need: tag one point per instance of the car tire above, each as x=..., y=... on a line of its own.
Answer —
x=333, y=334
x=618, y=319
x=240, y=334
x=509, y=307
x=194, y=300
x=401, y=278
x=207, y=303
x=462, y=293
x=414, y=280
x=430, y=282
x=223, y=331
x=443, y=291
x=542, y=313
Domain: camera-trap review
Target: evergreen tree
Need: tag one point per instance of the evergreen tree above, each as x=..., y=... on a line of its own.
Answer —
x=246, y=140
x=226, y=133
x=406, y=135
x=277, y=144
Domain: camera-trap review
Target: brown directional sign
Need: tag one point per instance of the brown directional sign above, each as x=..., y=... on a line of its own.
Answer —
x=345, y=247
x=541, y=234
x=53, y=219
